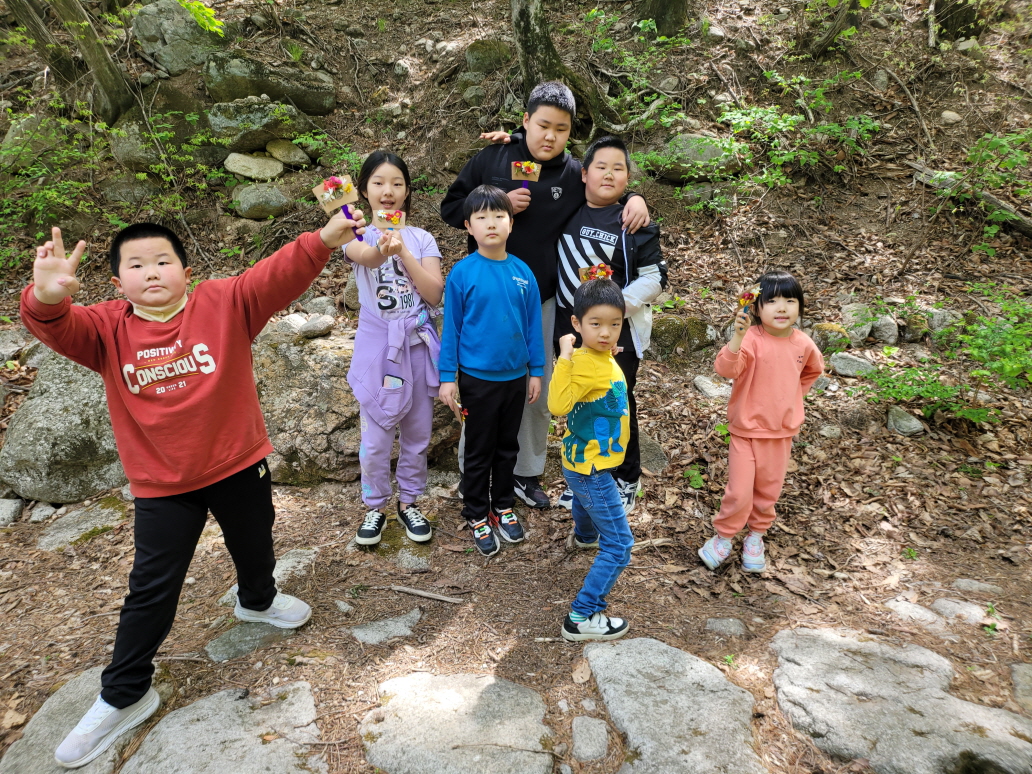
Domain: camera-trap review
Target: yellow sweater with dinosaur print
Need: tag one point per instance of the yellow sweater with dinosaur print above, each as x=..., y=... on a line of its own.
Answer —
x=591, y=390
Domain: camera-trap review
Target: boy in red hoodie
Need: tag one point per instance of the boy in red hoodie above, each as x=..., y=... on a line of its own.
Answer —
x=190, y=432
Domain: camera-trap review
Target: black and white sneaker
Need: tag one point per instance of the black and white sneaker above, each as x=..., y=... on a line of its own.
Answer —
x=529, y=490
x=599, y=626
x=629, y=491
x=416, y=526
x=566, y=500
x=484, y=538
x=507, y=526
x=371, y=529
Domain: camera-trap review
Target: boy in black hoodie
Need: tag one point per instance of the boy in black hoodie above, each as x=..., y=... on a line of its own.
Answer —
x=541, y=210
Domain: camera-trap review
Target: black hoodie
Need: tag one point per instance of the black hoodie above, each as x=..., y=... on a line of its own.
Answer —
x=554, y=198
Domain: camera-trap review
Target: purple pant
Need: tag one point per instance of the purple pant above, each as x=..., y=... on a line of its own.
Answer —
x=378, y=442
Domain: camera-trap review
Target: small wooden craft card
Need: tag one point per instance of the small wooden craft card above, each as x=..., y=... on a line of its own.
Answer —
x=526, y=170
x=334, y=192
x=389, y=220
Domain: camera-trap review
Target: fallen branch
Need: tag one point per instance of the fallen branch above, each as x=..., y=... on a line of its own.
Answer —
x=843, y=20
x=730, y=90
x=913, y=104
x=427, y=594
x=942, y=181
x=621, y=128
x=932, y=42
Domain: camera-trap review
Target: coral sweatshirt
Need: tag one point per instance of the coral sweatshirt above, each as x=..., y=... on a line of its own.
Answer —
x=181, y=393
x=772, y=375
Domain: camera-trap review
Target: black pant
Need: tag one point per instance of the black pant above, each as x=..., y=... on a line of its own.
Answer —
x=630, y=468
x=166, y=533
x=495, y=410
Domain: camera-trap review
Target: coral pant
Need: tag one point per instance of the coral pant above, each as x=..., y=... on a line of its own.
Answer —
x=755, y=474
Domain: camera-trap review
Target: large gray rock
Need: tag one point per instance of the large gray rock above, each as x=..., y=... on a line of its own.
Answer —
x=712, y=388
x=861, y=698
x=375, y=632
x=680, y=714
x=251, y=123
x=857, y=320
x=845, y=364
x=245, y=638
x=676, y=335
x=310, y=410
x=59, y=447
x=653, y=458
x=696, y=157
x=590, y=738
x=941, y=319
x=829, y=337
x=169, y=33
x=128, y=189
x=82, y=524
x=254, y=167
x=288, y=153
x=903, y=422
x=26, y=139
x=260, y=201
x=917, y=614
x=488, y=56
x=885, y=329
x=978, y=587
x=1021, y=676
x=234, y=732
x=34, y=752
x=10, y=510
x=968, y=612
x=456, y=724
x=232, y=75
x=12, y=341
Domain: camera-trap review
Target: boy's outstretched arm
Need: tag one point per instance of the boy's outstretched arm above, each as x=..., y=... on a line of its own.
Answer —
x=68, y=330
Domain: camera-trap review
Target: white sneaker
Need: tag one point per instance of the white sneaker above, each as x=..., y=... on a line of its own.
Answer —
x=628, y=494
x=715, y=551
x=599, y=626
x=566, y=499
x=286, y=612
x=100, y=727
x=753, y=555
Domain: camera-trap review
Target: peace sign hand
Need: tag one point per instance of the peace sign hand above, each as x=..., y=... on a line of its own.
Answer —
x=53, y=273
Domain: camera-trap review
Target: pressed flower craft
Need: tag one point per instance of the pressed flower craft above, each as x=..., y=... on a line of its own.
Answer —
x=389, y=220
x=526, y=171
x=601, y=271
x=748, y=297
x=336, y=193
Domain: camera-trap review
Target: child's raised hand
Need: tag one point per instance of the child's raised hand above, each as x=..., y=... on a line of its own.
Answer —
x=520, y=198
x=340, y=229
x=742, y=322
x=389, y=244
x=567, y=344
x=53, y=272
x=496, y=138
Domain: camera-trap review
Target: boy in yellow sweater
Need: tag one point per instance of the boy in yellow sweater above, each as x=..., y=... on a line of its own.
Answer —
x=589, y=387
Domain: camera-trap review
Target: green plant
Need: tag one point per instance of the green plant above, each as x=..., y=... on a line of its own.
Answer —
x=924, y=386
x=294, y=50
x=355, y=591
x=723, y=432
x=990, y=629
x=990, y=611
x=1002, y=344
x=5, y=319
x=694, y=477
x=729, y=659
x=204, y=16
x=910, y=553
x=331, y=152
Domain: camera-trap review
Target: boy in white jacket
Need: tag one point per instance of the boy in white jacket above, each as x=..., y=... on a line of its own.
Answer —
x=594, y=241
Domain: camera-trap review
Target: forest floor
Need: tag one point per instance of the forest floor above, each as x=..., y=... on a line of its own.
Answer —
x=864, y=518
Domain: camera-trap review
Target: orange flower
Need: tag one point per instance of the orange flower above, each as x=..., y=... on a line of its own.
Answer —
x=600, y=272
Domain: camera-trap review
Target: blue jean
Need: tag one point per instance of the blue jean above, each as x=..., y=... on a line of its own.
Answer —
x=598, y=510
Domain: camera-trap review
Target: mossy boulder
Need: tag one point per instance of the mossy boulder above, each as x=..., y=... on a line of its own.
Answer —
x=915, y=327
x=698, y=157
x=174, y=116
x=488, y=56
x=830, y=337
x=673, y=332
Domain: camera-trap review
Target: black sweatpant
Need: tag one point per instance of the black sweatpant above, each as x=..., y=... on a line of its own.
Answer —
x=494, y=412
x=630, y=468
x=166, y=533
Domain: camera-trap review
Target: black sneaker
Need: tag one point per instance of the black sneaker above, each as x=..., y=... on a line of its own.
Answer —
x=371, y=529
x=507, y=526
x=416, y=526
x=599, y=626
x=529, y=490
x=484, y=538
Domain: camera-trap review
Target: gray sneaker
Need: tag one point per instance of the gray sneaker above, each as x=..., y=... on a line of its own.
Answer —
x=100, y=727
x=286, y=612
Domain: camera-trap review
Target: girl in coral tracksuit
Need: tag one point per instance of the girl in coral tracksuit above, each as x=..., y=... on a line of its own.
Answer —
x=773, y=366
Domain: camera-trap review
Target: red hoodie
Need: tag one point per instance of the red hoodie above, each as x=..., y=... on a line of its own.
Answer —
x=181, y=393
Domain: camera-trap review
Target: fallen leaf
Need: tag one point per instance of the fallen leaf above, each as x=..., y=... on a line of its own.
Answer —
x=12, y=719
x=793, y=467
x=581, y=671
x=651, y=542
x=452, y=547
x=671, y=568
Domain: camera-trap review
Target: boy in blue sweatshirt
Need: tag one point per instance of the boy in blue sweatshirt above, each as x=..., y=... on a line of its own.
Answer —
x=491, y=340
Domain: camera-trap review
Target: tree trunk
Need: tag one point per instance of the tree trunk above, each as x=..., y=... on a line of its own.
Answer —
x=44, y=43
x=844, y=19
x=111, y=96
x=957, y=19
x=540, y=61
x=669, y=15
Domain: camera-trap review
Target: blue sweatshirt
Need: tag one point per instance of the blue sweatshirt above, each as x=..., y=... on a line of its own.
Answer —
x=492, y=320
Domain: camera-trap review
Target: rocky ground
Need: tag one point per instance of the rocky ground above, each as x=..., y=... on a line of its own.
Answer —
x=895, y=608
